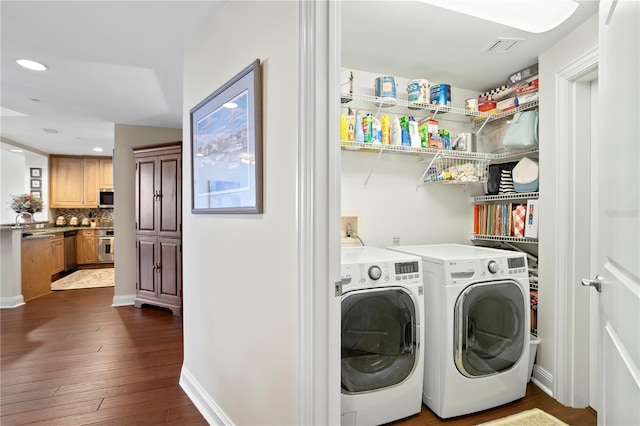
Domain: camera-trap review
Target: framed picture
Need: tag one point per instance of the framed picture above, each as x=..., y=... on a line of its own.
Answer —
x=36, y=172
x=35, y=183
x=226, y=147
x=37, y=194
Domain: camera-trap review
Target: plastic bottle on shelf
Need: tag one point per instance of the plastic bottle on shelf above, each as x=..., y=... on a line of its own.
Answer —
x=414, y=135
x=359, y=133
x=404, y=126
x=367, y=128
x=396, y=131
x=386, y=130
x=376, y=136
x=351, y=126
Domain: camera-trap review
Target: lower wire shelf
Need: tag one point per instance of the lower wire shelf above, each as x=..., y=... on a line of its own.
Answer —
x=484, y=237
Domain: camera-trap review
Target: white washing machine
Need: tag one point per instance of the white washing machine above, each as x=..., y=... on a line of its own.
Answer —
x=476, y=327
x=382, y=356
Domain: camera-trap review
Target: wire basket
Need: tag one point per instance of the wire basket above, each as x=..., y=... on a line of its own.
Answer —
x=457, y=170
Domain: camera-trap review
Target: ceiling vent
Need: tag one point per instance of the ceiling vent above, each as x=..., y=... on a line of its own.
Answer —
x=503, y=45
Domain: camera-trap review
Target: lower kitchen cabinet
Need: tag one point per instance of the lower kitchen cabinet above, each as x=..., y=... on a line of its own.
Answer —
x=57, y=253
x=159, y=272
x=35, y=266
x=86, y=247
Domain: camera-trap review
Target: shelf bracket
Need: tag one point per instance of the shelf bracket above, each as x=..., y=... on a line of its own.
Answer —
x=421, y=180
x=373, y=167
x=483, y=124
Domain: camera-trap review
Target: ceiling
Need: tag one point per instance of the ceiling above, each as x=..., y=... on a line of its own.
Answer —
x=121, y=61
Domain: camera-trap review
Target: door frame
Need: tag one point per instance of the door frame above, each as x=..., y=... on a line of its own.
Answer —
x=318, y=213
x=571, y=384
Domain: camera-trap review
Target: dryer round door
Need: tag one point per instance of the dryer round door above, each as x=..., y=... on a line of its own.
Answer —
x=380, y=338
x=489, y=328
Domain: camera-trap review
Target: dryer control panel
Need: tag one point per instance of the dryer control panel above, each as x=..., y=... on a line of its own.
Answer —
x=487, y=267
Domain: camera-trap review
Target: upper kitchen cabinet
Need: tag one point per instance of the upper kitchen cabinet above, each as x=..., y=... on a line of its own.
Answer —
x=105, y=173
x=75, y=181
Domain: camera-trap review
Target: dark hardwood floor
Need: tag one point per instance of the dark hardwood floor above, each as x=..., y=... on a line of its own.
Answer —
x=69, y=358
x=535, y=398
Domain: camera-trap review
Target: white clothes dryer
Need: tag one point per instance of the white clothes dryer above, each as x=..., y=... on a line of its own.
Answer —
x=476, y=327
x=382, y=356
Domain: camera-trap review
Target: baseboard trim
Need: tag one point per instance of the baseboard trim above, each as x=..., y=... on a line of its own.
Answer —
x=125, y=300
x=203, y=402
x=543, y=379
x=11, y=302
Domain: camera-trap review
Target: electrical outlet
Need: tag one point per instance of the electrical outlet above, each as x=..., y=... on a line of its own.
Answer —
x=396, y=240
x=349, y=229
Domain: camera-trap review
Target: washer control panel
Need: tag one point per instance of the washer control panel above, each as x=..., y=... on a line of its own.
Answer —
x=381, y=273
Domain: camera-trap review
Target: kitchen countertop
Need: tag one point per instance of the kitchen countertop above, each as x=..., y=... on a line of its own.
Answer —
x=29, y=232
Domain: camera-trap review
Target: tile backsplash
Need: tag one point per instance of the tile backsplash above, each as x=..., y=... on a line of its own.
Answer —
x=103, y=215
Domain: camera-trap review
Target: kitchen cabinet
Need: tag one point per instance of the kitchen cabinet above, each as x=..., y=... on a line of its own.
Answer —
x=159, y=272
x=35, y=267
x=158, y=209
x=75, y=181
x=86, y=247
x=105, y=174
x=57, y=253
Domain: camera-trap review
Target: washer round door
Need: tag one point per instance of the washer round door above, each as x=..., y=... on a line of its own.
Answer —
x=380, y=338
x=489, y=328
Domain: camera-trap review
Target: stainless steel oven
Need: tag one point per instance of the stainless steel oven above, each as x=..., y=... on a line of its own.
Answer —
x=106, y=245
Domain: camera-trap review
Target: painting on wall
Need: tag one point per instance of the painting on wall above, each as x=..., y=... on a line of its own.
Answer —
x=226, y=147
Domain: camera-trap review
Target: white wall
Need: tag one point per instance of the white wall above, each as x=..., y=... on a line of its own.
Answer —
x=13, y=182
x=15, y=179
x=582, y=40
x=240, y=286
x=392, y=205
x=127, y=137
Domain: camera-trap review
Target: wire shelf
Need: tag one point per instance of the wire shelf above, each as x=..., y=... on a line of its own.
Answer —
x=401, y=107
x=403, y=149
x=509, y=153
x=518, y=196
x=523, y=240
x=479, y=120
x=456, y=170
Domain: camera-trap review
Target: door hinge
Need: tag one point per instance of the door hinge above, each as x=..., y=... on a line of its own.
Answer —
x=338, y=288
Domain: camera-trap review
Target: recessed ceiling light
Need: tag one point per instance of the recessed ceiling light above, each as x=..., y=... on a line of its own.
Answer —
x=230, y=105
x=527, y=15
x=31, y=65
x=16, y=150
x=97, y=149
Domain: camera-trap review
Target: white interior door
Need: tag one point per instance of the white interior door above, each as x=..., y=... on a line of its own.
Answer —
x=619, y=230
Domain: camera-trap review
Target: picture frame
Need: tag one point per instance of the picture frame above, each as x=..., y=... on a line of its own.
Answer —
x=226, y=147
x=36, y=172
x=35, y=183
x=37, y=194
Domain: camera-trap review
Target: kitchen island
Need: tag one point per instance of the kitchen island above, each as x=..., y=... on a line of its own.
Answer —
x=29, y=257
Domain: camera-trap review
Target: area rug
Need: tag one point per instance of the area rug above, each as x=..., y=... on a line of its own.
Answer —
x=85, y=278
x=532, y=417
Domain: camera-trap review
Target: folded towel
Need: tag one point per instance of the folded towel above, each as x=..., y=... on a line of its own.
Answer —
x=112, y=244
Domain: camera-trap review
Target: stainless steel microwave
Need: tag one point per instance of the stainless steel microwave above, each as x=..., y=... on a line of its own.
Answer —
x=105, y=198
